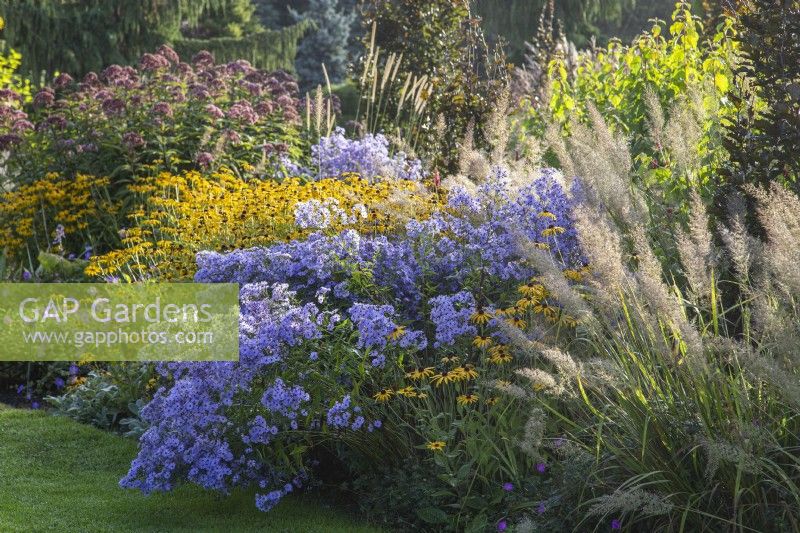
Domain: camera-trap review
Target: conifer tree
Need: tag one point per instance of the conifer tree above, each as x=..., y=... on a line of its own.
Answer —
x=327, y=43
x=79, y=36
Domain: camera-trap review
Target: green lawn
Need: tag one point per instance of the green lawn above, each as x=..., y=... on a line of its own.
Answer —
x=58, y=475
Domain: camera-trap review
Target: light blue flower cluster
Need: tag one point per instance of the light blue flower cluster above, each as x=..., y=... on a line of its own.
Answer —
x=368, y=156
x=322, y=318
x=286, y=401
x=451, y=315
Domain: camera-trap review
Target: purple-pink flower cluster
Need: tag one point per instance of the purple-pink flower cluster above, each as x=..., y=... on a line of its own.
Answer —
x=191, y=108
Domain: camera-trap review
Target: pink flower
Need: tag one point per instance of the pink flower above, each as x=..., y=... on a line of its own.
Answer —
x=203, y=58
x=169, y=54
x=153, y=62
x=204, y=159
x=62, y=80
x=214, y=111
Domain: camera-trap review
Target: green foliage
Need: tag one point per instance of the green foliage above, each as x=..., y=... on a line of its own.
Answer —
x=764, y=135
x=665, y=68
x=225, y=19
x=10, y=61
x=685, y=412
x=76, y=162
x=689, y=413
x=514, y=20
x=54, y=268
x=143, y=121
x=23, y=383
x=62, y=36
x=110, y=397
x=442, y=41
x=266, y=49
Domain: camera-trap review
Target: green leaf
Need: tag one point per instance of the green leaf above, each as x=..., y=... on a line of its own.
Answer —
x=432, y=515
x=721, y=82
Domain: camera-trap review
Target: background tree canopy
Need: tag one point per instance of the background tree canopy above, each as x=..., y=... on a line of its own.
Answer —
x=62, y=35
x=516, y=20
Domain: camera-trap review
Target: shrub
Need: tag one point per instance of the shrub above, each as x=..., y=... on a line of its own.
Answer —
x=377, y=349
x=77, y=156
x=163, y=115
x=441, y=42
x=764, y=134
x=665, y=68
x=57, y=36
x=327, y=44
x=9, y=75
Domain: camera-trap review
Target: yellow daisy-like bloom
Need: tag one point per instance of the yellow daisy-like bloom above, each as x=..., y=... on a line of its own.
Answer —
x=408, y=392
x=547, y=310
x=480, y=317
x=526, y=302
x=466, y=399
x=498, y=348
x=552, y=231
x=420, y=373
x=541, y=245
x=398, y=332
x=482, y=342
x=573, y=275
x=500, y=356
x=179, y=214
x=569, y=321
x=491, y=401
x=444, y=378
x=78, y=382
x=435, y=446
x=547, y=214
x=532, y=289
x=383, y=395
x=459, y=374
x=454, y=359
x=516, y=322
x=468, y=371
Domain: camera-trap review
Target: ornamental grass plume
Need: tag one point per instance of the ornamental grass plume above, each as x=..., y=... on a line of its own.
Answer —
x=687, y=366
x=695, y=249
x=603, y=161
x=779, y=213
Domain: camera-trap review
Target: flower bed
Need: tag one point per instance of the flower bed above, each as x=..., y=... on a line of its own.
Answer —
x=377, y=348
